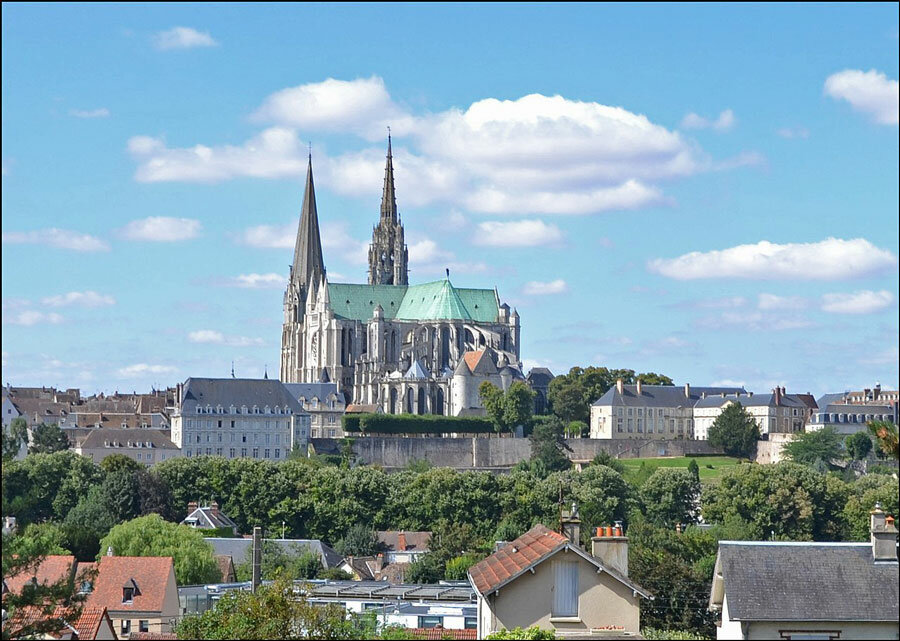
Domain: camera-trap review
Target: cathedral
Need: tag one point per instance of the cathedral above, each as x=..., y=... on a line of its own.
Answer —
x=389, y=345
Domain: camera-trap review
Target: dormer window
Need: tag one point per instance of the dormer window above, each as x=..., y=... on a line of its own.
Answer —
x=86, y=587
x=129, y=590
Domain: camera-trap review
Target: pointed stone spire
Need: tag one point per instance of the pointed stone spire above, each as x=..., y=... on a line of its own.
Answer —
x=308, y=263
x=388, y=198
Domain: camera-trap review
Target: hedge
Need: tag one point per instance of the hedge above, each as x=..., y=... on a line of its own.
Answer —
x=415, y=424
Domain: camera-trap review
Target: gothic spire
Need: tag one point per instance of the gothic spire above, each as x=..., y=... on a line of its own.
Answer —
x=308, y=249
x=388, y=199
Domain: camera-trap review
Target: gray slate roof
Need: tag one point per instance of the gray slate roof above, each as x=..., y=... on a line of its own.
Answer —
x=757, y=400
x=239, y=549
x=807, y=582
x=209, y=519
x=310, y=390
x=226, y=392
x=661, y=395
x=98, y=437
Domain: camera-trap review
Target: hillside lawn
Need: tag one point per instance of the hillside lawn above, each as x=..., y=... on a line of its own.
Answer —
x=719, y=464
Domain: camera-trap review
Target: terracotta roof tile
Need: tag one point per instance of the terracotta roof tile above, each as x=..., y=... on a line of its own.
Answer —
x=150, y=573
x=87, y=626
x=153, y=636
x=441, y=633
x=537, y=543
x=51, y=569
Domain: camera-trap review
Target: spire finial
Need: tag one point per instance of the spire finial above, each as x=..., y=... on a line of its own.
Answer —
x=232, y=369
x=448, y=272
x=266, y=372
x=309, y=146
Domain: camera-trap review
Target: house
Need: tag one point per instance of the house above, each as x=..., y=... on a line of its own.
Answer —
x=849, y=413
x=545, y=579
x=775, y=413
x=209, y=518
x=401, y=546
x=139, y=593
x=146, y=446
x=809, y=590
x=240, y=549
x=325, y=406
x=91, y=623
x=52, y=569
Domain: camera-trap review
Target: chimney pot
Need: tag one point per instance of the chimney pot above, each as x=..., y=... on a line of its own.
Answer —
x=611, y=549
x=620, y=386
x=639, y=388
x=687, y=390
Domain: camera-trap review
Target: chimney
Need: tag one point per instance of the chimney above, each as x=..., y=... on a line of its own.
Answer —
x=570, y=525
x=777, y=392
x=639, y=387
x=109, y=551
x=687, y=390
x=214, y=508
x=884, y=536
x=379, y=562
x=611, y=549
x=192, y=505
x=620, y=386
x=257, y=559
x=401, y=541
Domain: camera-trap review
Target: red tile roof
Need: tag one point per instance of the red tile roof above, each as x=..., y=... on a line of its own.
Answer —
x=435, y=634
x=472, y=358
x=150, y=573
x=51, y=569
x=153, y=636
x=87, y=626
x=415, y=541
x=515, y=557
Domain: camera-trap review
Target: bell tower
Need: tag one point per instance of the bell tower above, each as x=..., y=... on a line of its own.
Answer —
x=388, y=256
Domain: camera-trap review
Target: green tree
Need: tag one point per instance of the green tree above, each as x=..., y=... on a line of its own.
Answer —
x=492, y=400
x=864, y=494
x=534, y=632
x=428, y=568
x=885, y=434
x=360, y=540
x=671, y=496
x=571, y=394
x=605, y=458
x=509, y=409
x=734, y=431
x=87, y=523
x=458, y=566
x=152, y=536
x=547, y=448
x=46, y=439
x=14, y=437
x=858, y=445
x=694, y=469
x=651, y=378
x=120, y=494
x=118, y=463
x=816, y=447
x=576, y=429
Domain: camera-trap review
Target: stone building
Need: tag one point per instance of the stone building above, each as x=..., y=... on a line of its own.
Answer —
x=386, y=343
x=324, y=404
x=775, y=413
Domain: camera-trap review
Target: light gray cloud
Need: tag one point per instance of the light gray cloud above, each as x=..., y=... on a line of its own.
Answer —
x=182, y=38
x=870, y=92
x=58, y=238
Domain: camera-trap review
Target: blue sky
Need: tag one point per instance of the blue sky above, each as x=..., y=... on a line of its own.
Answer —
x=710, y=192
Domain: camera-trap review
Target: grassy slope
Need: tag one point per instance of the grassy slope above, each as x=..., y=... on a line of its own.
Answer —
x=719, y=463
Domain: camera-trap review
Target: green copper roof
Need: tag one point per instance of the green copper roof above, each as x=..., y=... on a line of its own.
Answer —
x=438, y=300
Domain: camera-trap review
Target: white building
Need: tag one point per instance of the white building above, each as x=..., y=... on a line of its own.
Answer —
x=238, y=417
x=325, y=405
x=775, y=413
x=848, y=413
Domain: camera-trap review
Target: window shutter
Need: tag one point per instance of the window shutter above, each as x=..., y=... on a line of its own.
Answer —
x=565, y=592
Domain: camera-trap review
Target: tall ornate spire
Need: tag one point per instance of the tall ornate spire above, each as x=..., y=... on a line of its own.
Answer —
x=388, y=199
x=308, y=248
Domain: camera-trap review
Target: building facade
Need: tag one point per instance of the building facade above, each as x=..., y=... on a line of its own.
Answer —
x=388, y=343
x=238, y=418
x=325, y=406
x=775, y=413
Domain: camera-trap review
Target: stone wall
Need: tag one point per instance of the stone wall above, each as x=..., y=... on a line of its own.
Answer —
x=488, y=453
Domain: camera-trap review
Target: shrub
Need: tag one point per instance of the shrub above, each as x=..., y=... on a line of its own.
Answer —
x=415, y=424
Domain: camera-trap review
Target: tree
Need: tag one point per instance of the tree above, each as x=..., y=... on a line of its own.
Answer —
x=14, y=437
x=694, y=469
x=547, y=448
x=360, y=540
x=534, y=632
x=735, y=431
x=87, y=523
x=509, y=409
x=151, y=536
x=605, y=458
x=119, y=462
x=428, y=568
x=275, y=612
x=46, y=439
x=864, y=494
x=885, y=433
x=120, y=494
x=671, y=496
x=458, y=567
x=576, y=429
x=571, y=394
x=858, y=445
x=816, y=447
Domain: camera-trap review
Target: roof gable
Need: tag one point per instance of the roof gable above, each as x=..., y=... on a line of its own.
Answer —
x=51, y=569
x=153, y=575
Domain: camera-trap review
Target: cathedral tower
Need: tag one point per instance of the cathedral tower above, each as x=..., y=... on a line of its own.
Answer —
x=307, y=273
x=388, y=258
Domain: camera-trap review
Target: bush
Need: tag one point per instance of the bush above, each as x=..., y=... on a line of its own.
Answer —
x=666, y=635
x=533, y=632
x=415, y=424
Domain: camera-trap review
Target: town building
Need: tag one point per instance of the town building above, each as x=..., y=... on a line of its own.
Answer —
x=775, y=413
x=90, y=624
x=147, y=447
x=400, y=546
x=649, y=411
x=388, y=343
x=849, y=412
x=809, y=590
x=238, y=418
x=241, y=549
x=209, y=517
x=325, y=405
x=139, y=593
x=545, y=579
x=539, y=380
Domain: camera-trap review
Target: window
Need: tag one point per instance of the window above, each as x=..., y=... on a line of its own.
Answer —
x=471, y=623
x=255, y=452
x=127, y=595
x=218, y=451
x=144, y=625
x=277, y=452
x=243, y=451
x=266, y=453
x=565, y=591
x=640, y=425
x=331, y=433
x=126, y=626
x=231, y=452
x=431, y=622
x=630, y=411
x=618, y=424
x=631, y=425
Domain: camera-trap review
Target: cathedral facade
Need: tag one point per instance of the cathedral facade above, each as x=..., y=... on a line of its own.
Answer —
x=396, y=347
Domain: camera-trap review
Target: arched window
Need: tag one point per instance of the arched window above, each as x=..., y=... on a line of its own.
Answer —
x=410, y=401
x=439, y=402
x=393, y=400
x=422, y=405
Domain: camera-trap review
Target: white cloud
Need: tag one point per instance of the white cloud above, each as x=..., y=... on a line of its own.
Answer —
x=102, y=112
x=142, y=369
x=182, y=38
x=830, y=259
x=518, y=233
x=54, y=237
x=426, y=257
x=211, y=336
x=537, y=288
x=334, y=235
x=257, y=281
x=793, y=132
x=362, y=106
x=270, y=236
x=29, y=317
x=80, y=299
x=861, y=302
x=759, y=321
x=537, y=154
x=724, y=122
x=161, y=229
x=870, y=92
x=728, y=382
x=771, y=301
x=426, y=251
